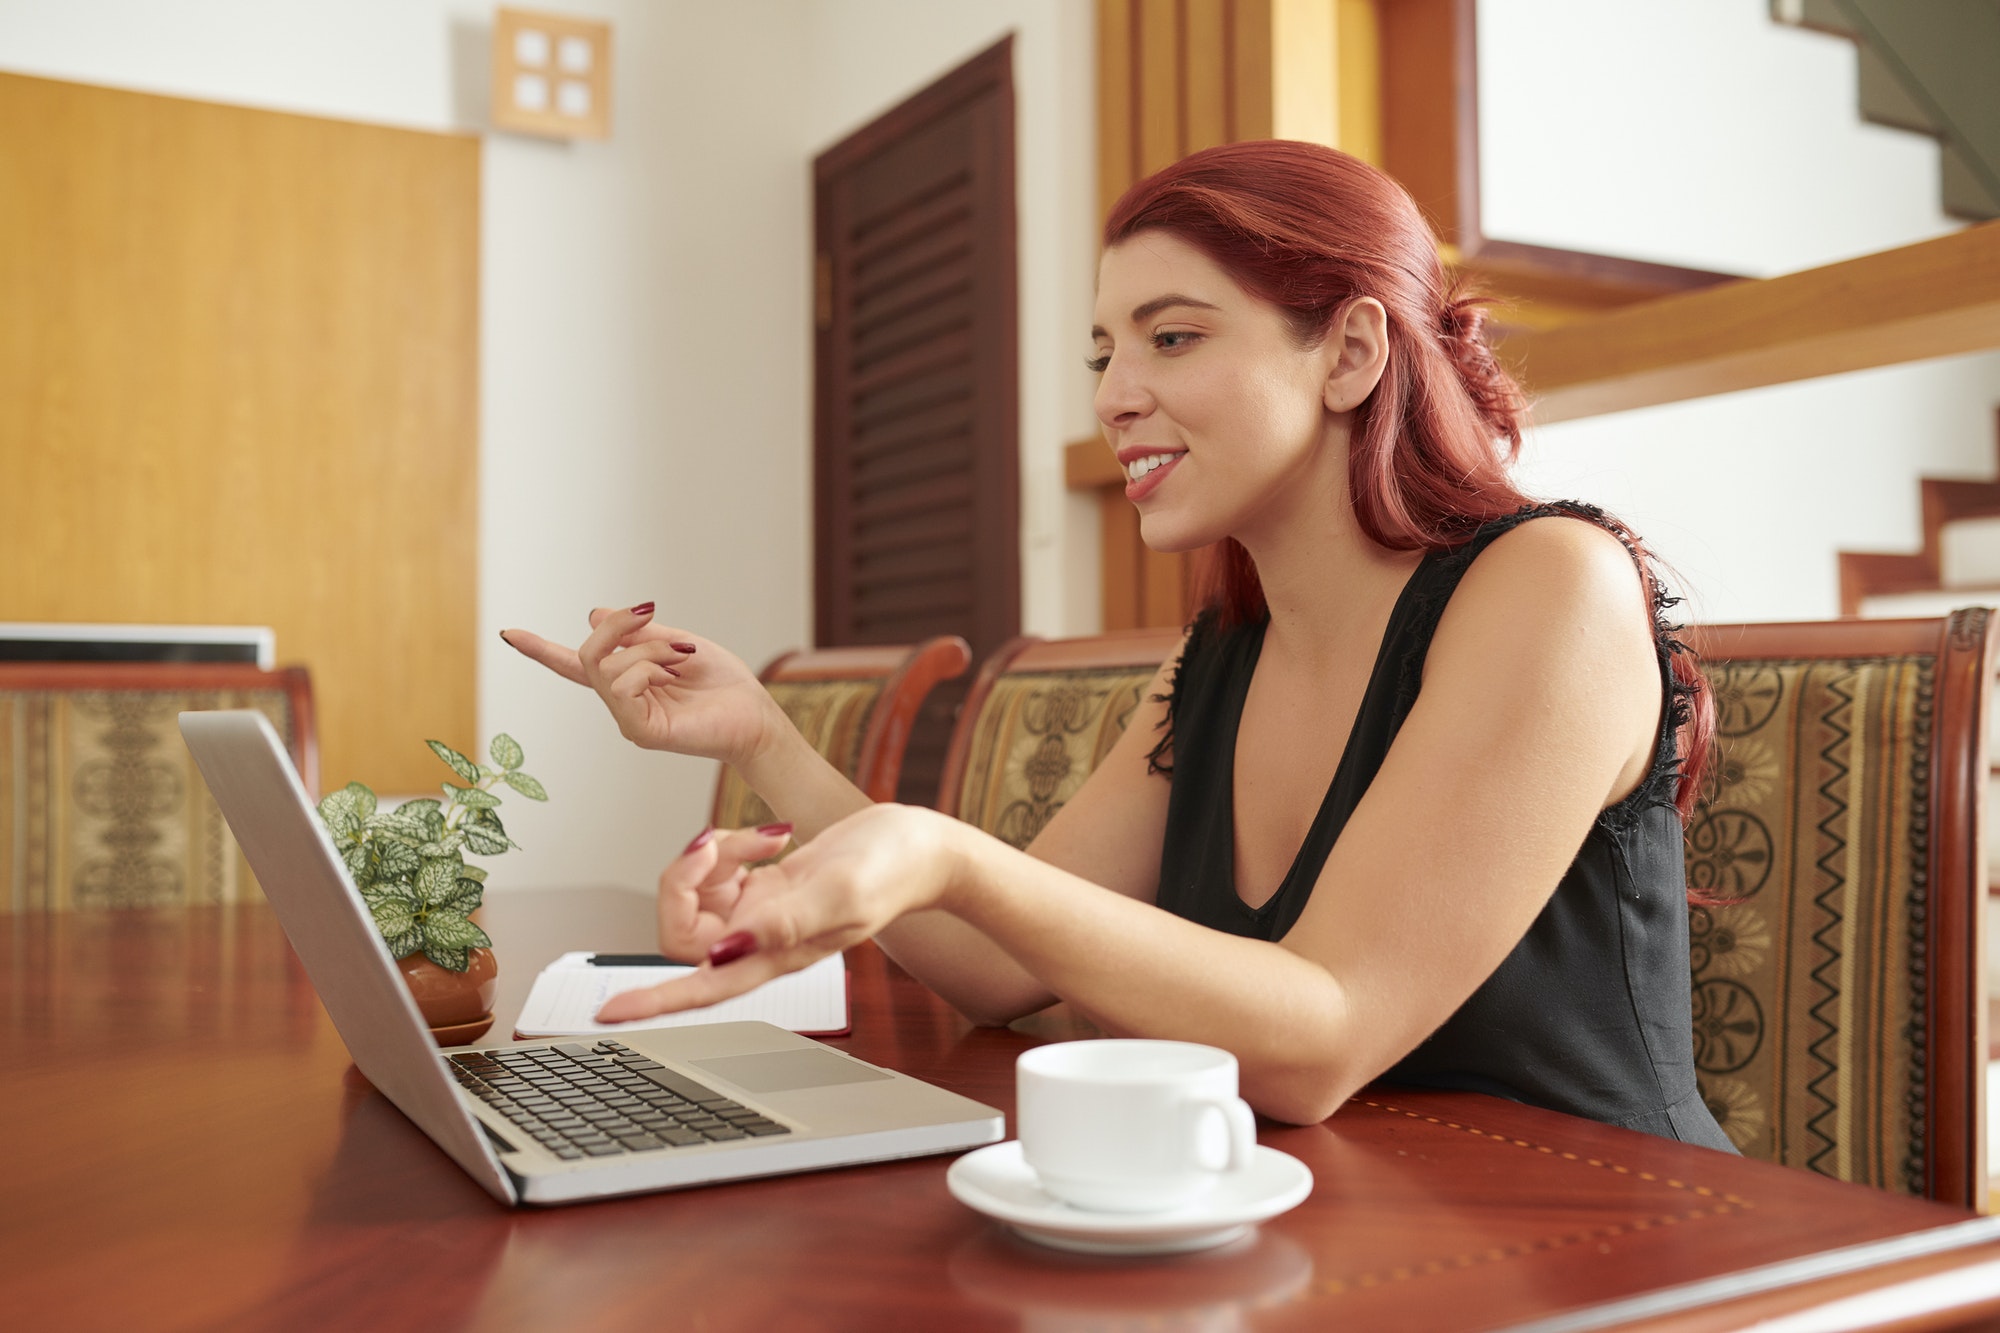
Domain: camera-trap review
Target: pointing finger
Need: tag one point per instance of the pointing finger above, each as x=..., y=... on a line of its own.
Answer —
x=555, y=656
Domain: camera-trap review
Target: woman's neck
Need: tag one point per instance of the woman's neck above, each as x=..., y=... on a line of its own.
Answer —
x=1326, y=583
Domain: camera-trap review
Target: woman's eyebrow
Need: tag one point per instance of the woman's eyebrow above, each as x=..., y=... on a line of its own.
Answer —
x=1146, y=310
x=1142, y=313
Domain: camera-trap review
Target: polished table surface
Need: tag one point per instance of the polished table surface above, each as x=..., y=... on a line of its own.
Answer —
x=188, y=1147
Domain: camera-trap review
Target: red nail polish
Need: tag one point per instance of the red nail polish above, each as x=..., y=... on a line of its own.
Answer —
x=670, y=671
x=643, y=609
x=681, y=647
x=731, y=947
x=774, y=830
x=700, y=841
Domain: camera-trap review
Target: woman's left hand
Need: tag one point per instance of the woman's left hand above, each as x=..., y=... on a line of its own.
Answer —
x=841, y=888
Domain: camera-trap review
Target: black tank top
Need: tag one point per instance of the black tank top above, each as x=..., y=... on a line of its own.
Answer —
x=1590, y=1012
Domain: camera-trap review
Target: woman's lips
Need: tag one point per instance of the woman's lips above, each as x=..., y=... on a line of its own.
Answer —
x=1146, y=485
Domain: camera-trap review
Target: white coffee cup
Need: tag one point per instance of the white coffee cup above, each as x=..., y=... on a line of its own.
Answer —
x=1122, y=1126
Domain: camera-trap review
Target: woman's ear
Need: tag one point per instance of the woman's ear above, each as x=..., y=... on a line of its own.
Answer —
x=1359, y=341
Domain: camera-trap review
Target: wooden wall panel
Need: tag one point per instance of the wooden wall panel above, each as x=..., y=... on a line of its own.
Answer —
x=238, y=384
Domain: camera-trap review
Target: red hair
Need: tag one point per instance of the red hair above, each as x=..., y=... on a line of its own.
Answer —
x=1308, y=228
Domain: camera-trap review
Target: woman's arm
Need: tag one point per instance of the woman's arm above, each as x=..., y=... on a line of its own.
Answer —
x=1541, y=693
x=670, y=689
x=1108, y=834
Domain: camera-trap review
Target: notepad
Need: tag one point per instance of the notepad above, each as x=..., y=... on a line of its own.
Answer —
x=812, y=1001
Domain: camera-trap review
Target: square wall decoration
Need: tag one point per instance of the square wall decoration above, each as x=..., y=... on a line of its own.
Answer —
x=551, y=75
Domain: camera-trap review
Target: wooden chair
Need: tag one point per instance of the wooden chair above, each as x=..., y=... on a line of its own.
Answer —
x=1839, y=1002
x=856, y=706
x=1040, y=717
x=100, y=803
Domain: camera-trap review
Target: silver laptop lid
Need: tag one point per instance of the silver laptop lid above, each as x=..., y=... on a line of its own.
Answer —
x=245, y=766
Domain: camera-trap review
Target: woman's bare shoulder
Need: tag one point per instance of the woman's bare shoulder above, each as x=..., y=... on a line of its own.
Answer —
x=1555, y=571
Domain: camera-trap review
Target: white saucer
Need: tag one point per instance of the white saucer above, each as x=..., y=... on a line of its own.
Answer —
x=997, y=1182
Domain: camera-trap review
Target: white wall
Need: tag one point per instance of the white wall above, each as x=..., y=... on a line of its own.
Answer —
x=1734, y=144
x=1693, y=132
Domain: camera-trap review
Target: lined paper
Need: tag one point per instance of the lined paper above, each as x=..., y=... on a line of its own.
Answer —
x=568, y=991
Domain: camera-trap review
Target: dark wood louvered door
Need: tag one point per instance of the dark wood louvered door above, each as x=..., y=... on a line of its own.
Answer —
x=915, y=450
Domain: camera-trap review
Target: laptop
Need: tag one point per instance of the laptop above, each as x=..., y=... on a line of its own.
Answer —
x=674, y=1107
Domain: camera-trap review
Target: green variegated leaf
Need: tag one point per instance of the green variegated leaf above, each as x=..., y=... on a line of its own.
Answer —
x=355, y=856
x=407, y=825
x=485, y=842
x=436, y=878
x=395, y=859
x=526, y=785
x=452, y=841
x=395, y=914
x=424, y=813
x=434, y=849
x=451, y=960
x=460, y=765
x=506, y=751
x=486, y=817
x=402, y=946
x=477, y=874
x=476, y=799
x=345, y=811
x=449, y=930
x=464, y=898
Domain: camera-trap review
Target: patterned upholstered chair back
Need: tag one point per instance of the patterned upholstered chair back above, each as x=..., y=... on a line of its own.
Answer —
x=101, y=804
x=1042, y=716
x=856, y=706
x=1838, y=997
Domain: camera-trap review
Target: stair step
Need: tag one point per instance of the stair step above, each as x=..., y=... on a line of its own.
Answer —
x=1821, y=15
x=1965, y=195
x=1884, y=100
x=1969, y=553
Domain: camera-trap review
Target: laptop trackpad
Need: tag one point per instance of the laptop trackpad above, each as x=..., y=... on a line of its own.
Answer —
x=784, y=1071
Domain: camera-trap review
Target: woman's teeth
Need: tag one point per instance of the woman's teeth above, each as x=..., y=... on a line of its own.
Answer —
x=1139, y=467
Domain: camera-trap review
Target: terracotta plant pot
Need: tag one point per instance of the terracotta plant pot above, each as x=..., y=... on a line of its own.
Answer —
x=458, y=1006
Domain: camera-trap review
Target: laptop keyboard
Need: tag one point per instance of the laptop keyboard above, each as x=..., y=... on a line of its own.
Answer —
x=597, y=1101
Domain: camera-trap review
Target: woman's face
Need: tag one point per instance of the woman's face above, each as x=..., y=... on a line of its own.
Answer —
x=1217, y=415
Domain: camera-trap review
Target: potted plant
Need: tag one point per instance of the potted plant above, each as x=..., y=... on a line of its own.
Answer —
x=409, y=864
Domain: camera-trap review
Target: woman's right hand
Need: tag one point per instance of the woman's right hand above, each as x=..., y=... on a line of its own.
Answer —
x=667, y=688
x=700, y=887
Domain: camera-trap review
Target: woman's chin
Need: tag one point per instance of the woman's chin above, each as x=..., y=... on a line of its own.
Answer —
x=1166, y=534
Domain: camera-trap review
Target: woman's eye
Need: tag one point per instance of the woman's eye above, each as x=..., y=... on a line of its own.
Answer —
x=1168, y=340
x=1097, y=364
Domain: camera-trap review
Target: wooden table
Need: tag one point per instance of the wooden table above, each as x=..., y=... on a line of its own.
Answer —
x=188, y=1147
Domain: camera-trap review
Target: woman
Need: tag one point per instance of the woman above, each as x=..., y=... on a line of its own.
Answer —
x=1402, y=806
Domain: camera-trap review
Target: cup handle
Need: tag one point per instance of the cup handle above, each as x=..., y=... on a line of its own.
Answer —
x=1240, y=1125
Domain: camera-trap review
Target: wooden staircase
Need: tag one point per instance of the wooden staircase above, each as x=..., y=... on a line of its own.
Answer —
x=1960, y=554
x=1927, y=69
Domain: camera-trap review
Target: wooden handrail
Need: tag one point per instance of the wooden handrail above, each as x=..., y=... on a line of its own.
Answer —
x=1935, y=298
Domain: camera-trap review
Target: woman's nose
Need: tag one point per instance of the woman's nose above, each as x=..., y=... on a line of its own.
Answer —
x=1121, y=398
